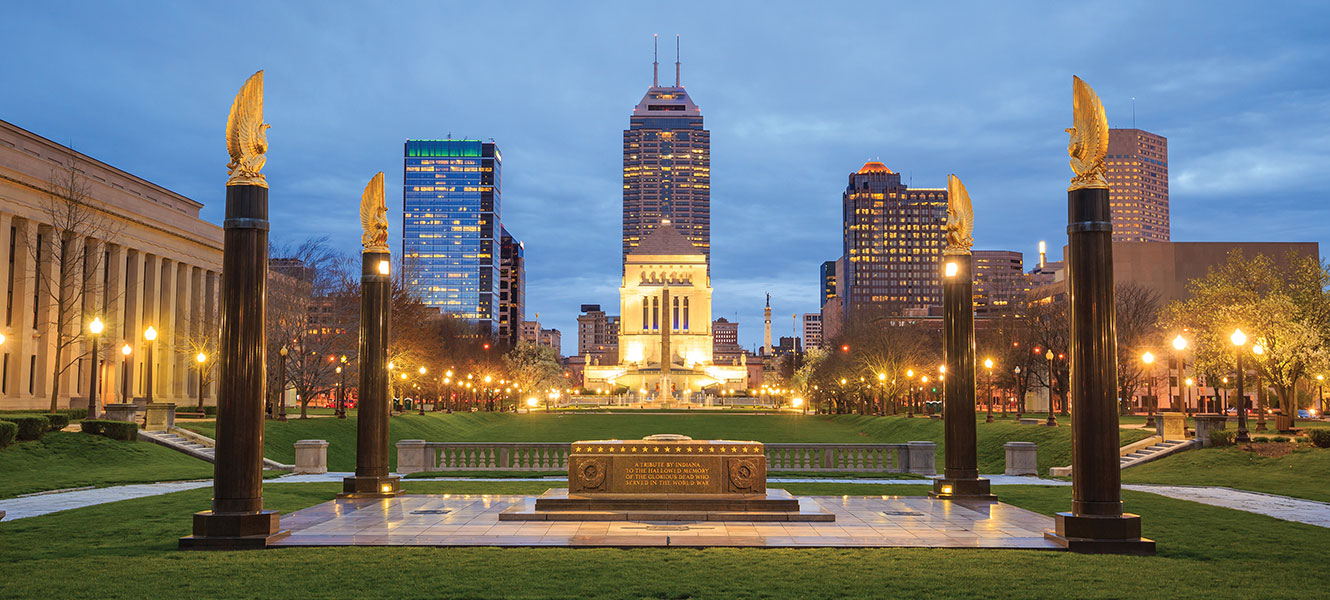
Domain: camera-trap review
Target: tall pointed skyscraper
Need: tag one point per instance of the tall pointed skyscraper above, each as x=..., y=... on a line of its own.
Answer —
x=667, y=166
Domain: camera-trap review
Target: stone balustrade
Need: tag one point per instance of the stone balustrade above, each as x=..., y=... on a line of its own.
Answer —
x=414, y=456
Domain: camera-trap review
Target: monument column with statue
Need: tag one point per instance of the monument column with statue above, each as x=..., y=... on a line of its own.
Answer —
x=237, y=519
x=961, y=478
x=1096, y=523
x=372, y=478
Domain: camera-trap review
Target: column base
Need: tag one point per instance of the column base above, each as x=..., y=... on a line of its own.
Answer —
x=370, y=487
x=234, y=531
x=962, y=489
x=1090, y=534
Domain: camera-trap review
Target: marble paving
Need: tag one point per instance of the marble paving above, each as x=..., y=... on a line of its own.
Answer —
x=473, y=520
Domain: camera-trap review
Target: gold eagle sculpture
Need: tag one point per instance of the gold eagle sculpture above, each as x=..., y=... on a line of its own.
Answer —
x=960, y=218
x=1089, y=138
x=246, y=137
x=374, y=216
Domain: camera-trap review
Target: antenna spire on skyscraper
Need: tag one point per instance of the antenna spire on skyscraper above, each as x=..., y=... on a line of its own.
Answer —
x=676, y=61
x=655, y=55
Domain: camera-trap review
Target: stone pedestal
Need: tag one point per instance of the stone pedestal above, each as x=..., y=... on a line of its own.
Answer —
x=160, y=416
x=1206, y=424
x=960, y=478
x=1096, y=523
x=237, y=519
x=922, y=457
x=1172, y=426
x=412, y=457
x=372, y=479
x=127, y=412
x=311, y=457
x=1022, y=458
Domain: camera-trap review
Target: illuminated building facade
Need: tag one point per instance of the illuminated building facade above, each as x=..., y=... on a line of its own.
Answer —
x=1137, y=173
x=812, y=330
x=450, y=226
x=893, y=244
x=667, y=168
x=827, y=275
x=1000, y=284
x=512, y=286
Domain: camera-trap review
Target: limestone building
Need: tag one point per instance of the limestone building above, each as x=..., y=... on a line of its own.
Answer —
x=665, y=337
x=1137, y=173
x=149, y=261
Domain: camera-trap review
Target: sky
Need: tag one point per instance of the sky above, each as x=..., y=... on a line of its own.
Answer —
x=797, y=95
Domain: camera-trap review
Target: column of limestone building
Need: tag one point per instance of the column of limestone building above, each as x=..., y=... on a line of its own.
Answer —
x=159, y=267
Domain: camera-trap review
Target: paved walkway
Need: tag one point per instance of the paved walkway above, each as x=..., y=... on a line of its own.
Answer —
x=1279, y=507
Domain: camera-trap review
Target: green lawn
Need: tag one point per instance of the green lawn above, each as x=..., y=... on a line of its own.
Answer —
x=279, y=438
x=1204, y=552
x=1304, y=474
x=64, y=460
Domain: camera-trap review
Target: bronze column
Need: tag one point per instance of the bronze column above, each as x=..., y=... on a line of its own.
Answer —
x=960, y=479
x=372, y=478
x=1096, y=523
x=237, y=519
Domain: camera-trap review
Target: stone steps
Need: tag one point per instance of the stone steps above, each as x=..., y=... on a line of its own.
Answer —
x=1140, y=453
x=198, y=446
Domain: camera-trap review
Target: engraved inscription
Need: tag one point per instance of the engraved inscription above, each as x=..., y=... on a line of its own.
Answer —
x=686, y=473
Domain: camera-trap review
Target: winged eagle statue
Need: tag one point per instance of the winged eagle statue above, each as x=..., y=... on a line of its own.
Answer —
x=960, y=218
x=246, y=135
x=374, y=216
x=1089, y=138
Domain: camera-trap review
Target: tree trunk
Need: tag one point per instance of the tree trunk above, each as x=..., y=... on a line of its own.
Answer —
x=304, y=402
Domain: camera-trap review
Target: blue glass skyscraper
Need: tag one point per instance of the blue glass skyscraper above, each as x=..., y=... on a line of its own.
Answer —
x=450, y=225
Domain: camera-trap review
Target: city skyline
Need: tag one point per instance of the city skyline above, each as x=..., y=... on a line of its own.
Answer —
x=559, y=114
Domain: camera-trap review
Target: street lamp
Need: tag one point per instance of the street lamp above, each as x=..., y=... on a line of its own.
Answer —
x=95, y=328
x=1320, y=389
x=1052, y=421
x=1020, y=401
x=909, y=405
x=1239, y=339
x=420, y=404
x=988, y=364
x=124, y=375
x=201, y=359
x=341, y=389
x=149, y=334
x=1180, y=344
x=1149, y=360
x=1259, y=350
x=281, y=385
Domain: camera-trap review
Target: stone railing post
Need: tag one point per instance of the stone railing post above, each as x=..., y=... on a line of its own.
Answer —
x=1206, y=424
x=1022, y=458
x=922, y=457
x=411, y=456
x=311, y=457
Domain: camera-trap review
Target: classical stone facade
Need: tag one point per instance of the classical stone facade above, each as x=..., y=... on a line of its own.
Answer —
x=159, y=265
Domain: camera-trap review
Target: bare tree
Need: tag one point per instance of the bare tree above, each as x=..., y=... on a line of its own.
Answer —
x=1138, y=309
x=302, y=282
x=67, y=282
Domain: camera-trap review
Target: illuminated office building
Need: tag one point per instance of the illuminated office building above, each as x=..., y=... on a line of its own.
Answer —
x=512, y=287
x=667, y=167
x=1137, y=173
x=1000, y=284
x=450, y=226
x=893, y=245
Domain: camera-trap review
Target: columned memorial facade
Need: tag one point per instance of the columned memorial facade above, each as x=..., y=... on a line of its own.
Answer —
x=152, y=263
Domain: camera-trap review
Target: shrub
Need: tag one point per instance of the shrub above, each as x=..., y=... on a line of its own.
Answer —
x=1260, y=439
x=1280, y=439
x=1222, y=438
x=1319, y=437
x=8, y=431
x=30, y=428
x=58, y=421
x=92, y=426
x=116, y=430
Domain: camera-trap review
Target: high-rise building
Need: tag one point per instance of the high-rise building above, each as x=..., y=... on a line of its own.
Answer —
x=667, y=167
x=1137, y=172
x=451, y=206
x=597, y=333
x=512, y=286
x=827, y=276
x=893, y=244
x=1000, y=284
x=812, y=330
x=725, y=348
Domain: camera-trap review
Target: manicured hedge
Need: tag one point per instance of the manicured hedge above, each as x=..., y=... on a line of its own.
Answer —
x=58, y=421
x=1319, y=437
x=8, y=431
x=29, y=428
x=116, y=430
x=74, y=414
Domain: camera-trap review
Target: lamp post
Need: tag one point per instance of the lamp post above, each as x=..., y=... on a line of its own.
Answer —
x=1239, y=339
x=1052, y=420
x=1320, y=392
x=202, y=360
x=1020, y=401
x=149, y=334
x=281, y=383
x=95, y=328
x=1180, y=344
x=1149, y=360
x=1223, y=407
x=419, y=401
x=341, y=389
x=909, y=403
x=881, y=382
x=125, y=350
x=988, y=364
x=1259, y=350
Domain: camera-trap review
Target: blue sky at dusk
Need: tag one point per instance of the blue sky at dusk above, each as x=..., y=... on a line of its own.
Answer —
x=796, y=96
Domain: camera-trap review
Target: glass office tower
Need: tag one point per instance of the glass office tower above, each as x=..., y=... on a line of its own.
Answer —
x=450, y=225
